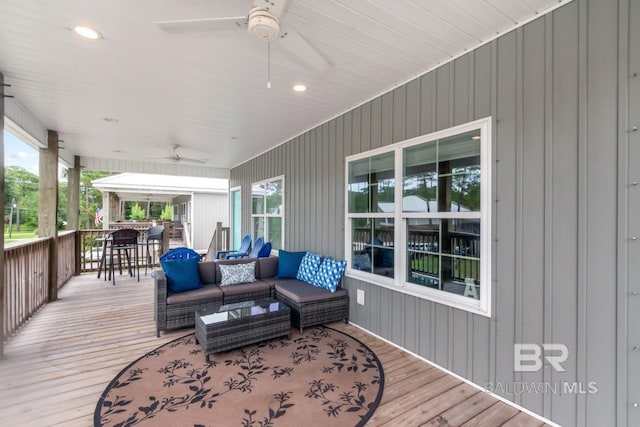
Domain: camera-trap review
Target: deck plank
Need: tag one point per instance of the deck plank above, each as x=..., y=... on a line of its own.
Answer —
x=57, y=366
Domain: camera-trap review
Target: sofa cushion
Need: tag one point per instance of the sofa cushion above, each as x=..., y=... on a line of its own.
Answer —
x=329, y=274
x=309, y=267
x=288, y=264
x=211, y=292
x=268, y=267
x=302, y=292
x=245, y=288
x=182, y=274
x=238, y=273
x=207, y=272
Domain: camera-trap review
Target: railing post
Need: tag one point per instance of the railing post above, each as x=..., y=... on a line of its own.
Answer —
x=218, y=235
x=76, y=253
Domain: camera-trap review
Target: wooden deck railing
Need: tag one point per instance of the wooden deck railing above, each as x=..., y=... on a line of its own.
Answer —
x=67, y=254
x=26, y=276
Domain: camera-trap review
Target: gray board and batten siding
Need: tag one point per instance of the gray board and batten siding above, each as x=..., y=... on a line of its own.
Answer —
x=563, y=92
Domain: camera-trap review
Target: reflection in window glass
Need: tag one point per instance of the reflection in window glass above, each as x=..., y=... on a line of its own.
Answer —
x=373, y=246
x=273, y=191
x=443, y=175
x=258, y=227
x=371, y=183
x=444, y=254
x=275, y=232
x=268, y=212
x=257, y=199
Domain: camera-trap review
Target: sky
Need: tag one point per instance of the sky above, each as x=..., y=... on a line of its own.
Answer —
x=17, y=153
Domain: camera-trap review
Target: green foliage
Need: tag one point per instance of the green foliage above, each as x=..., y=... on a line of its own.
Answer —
x=90, y=198
x=137, y=213
x=167, y=212
x=21, y=189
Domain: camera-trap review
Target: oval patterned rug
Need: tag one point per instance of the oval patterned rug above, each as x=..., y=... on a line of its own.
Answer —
x=322, y=377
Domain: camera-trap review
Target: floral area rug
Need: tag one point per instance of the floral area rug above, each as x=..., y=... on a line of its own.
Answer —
x=320, y=378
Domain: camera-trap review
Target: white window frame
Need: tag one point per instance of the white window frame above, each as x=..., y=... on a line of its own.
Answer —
x=232, y=224
x=267, y=215
x=399, y=281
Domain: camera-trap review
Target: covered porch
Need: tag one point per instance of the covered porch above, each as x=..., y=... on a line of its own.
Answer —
x=56, y=367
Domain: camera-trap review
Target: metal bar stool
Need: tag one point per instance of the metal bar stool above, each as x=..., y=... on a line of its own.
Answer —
x=153, y=235
x=123, y=240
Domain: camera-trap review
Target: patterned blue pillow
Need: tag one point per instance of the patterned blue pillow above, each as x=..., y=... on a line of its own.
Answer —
x=329, y=274
x=238, y=273
x=309, y=267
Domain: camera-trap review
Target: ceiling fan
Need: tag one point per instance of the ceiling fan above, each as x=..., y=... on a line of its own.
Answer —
x=262, y=22
x=177, y=158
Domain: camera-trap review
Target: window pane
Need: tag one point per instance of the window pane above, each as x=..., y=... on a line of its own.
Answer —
x=258, y=227
x=445, y=254
x=373, y=246
x=459, y=173
x=420, y=186
x=257, y=199
x=423, y=251
x=274, y=197
x=275, y=232
x=371, y=184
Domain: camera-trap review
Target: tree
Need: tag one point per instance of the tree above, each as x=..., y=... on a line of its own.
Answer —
x=167, y=212
x=21, y=188
x=137, y=213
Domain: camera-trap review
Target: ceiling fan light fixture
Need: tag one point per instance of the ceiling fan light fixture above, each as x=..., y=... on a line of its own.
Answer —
x=262, y=24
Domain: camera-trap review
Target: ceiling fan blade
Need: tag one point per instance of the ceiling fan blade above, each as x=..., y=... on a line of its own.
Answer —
x=301, y=50
x=186, y=159
x=204, y=24
x=275, y=7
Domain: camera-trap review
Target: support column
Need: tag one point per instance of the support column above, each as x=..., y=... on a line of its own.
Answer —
x=48, y=206
x=73, y=195
x=73, y=207
x=2, y=307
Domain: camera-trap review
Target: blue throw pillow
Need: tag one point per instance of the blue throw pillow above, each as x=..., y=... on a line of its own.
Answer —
x=309, y=267
x=288, y=264
x=329, y=274
x=182, y=274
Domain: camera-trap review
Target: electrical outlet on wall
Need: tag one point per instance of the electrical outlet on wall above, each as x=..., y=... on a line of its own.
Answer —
x=360, y=296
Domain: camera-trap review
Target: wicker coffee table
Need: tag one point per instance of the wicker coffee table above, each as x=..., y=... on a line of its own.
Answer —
x=242, y=323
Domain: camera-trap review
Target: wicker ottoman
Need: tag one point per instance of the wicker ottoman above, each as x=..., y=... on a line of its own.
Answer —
x=238, y=324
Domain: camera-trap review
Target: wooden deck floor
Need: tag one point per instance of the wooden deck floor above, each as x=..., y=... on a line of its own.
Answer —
x=57, y=366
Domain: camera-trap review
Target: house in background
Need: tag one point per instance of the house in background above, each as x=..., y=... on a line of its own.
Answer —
x=200, y=202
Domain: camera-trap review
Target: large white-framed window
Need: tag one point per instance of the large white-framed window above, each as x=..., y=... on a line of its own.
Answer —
x=419, y=216
x=267, y=211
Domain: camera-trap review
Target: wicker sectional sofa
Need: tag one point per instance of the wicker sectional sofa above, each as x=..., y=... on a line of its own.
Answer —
x=310, y=305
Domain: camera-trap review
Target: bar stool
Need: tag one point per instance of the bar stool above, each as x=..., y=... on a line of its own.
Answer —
x=123, y=240
x=153, y=235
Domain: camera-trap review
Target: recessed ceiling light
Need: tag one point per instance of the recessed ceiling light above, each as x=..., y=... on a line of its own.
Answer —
x=87, y=33
x=299, y=88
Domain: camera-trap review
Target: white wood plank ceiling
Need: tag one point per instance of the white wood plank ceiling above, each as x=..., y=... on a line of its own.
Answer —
x=140, y=88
